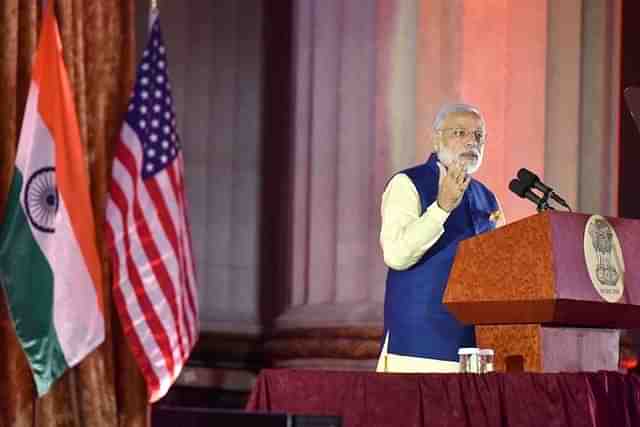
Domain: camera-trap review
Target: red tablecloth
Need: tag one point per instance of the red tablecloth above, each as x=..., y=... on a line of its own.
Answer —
x=493, y=400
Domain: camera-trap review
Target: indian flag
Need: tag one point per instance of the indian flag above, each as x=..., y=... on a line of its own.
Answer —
x=49, y=264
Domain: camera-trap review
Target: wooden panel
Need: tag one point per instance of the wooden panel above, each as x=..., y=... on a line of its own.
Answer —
x=533, y=271
x=351, y=342
x=517, y=347
x=579, y=349
x=535, y=348
x=511, y=264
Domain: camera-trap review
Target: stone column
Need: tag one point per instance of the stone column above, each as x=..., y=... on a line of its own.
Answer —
x=354, y=79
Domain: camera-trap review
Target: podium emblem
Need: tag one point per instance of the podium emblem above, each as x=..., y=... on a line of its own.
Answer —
x=603, y=257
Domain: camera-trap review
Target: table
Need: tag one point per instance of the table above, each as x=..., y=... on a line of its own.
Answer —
x=603, y=399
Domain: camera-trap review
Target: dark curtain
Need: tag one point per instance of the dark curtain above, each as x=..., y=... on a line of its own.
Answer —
x=106, y=389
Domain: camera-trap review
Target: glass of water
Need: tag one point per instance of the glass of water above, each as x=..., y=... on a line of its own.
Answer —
x=485, y=360
x=469, y=360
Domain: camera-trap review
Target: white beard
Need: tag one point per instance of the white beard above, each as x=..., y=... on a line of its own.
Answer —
x=447, y=158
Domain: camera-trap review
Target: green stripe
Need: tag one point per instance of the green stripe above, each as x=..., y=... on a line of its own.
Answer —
x=27, y=280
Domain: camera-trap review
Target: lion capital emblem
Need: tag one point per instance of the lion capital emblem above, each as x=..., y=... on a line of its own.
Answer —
x=603, y=256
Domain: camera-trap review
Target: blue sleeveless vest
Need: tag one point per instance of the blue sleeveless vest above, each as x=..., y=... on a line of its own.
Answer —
x=417, y=322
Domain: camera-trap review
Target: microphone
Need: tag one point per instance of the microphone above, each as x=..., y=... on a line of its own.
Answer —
x=522, y=190
x=530, y=179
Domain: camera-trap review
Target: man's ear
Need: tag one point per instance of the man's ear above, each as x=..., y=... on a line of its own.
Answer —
x=436, y=142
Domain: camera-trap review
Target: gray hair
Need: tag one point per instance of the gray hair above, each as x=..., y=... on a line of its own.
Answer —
x=447, y=109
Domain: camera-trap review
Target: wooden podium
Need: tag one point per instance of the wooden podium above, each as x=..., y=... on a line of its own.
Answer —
x=527, y=289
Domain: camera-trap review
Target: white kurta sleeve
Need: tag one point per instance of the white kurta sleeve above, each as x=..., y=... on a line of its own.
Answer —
x=406, y=235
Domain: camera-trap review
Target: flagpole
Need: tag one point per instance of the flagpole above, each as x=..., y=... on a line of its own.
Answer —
x=153, y=12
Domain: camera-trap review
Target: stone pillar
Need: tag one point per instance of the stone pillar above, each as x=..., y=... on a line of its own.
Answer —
x=354, y=79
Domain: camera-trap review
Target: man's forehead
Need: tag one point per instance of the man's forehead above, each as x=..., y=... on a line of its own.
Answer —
x=463, y=119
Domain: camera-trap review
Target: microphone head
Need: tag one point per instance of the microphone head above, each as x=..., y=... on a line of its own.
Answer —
x=527, y=177
x=517, y=187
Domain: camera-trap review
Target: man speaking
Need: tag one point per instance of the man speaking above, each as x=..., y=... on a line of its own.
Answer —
x=426, y=211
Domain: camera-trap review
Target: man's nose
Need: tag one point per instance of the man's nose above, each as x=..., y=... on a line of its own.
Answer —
x=470, y=141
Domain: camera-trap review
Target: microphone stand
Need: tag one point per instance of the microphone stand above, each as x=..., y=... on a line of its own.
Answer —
x=543, y=204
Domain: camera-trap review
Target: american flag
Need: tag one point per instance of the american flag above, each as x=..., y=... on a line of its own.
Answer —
x=154, y=285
